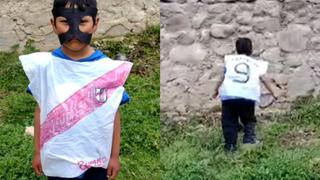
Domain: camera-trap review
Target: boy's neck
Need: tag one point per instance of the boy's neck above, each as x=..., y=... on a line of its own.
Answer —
x=77, y=55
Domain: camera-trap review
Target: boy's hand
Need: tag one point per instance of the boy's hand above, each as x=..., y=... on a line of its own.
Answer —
x=215, y=94
x=36, y=165
x=113, y=168
x=275, y=97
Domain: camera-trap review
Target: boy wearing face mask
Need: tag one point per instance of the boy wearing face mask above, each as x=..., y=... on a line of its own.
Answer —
x=78, y=91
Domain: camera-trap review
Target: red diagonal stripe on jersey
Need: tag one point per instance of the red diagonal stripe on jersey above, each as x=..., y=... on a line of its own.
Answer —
x=81, y=103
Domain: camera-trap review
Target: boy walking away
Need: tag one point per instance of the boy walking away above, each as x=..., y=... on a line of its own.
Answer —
x=239, y=92
x=78, y=91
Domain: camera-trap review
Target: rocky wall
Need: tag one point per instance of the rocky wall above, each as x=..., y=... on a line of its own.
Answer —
x=196, y=34
x=30, y=19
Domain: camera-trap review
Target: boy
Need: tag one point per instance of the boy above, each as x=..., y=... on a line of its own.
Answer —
x=78, y=91
x=240, y=89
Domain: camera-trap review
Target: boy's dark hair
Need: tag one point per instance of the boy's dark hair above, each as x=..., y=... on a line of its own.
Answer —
x=244, y=46
x=81, y=4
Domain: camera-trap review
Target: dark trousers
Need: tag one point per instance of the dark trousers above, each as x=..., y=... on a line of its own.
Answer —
x=90, y=174
x=232, y=110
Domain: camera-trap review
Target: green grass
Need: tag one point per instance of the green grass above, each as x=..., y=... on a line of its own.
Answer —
x=146, y=60
x=290, y=150
x=140, y=143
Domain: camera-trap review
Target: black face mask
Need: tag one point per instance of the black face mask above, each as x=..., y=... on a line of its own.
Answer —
x=74, y=17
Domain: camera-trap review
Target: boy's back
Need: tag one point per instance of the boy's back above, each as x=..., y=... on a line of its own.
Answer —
x=240, y=90
x=242, y=77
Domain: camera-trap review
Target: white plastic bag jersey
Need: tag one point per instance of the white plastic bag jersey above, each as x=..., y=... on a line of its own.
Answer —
x=78, y=103
x=242, y=77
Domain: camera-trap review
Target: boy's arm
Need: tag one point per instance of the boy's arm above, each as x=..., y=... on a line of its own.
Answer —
x=36, y=162
x=265, y=81
x=222, y=72
x=116, y=137
x=114, y=163
x=216, y=89
x=37, y=130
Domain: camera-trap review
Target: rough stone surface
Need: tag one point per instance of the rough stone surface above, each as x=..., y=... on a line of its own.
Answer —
x=188, y=54
x=284, y=32
x=295, y=60
x=117, y=30
x=301, y=83
x=7, y=43
x=198, y=20
x=187, y=38
x=267, y=25
x=315, y=43
x=177, y=23
x=29, y=19
x=222, y=30
x=225, y=48
x=272, y=55
x=244, y=18
x=218, y=8
x=294, y=38
x=269, y=8
x=294, y=5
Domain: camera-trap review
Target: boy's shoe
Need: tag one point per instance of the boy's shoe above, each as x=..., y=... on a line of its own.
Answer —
x=230, y=148
x=251, y=145
x=249, y=133
x=240, y=127
x=250, y=139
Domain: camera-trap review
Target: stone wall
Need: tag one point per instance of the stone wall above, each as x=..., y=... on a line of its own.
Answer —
x=196, y=34
x=30, y=19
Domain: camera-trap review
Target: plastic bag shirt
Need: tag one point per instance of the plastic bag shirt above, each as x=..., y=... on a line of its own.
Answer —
x=97, y=55
x=242, y=77
x=78, y=103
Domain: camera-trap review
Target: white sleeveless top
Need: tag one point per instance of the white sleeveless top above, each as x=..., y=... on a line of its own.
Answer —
x=242, y=77
x=78, y=102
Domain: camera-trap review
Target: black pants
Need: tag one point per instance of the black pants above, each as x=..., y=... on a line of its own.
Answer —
x=90, y=174
x=232, y=110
